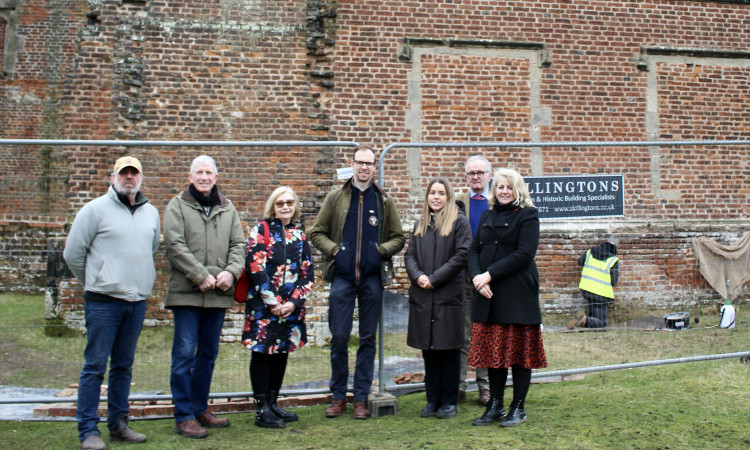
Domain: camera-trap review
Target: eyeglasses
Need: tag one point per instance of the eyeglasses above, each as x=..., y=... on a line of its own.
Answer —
x=475, y=174
x=281, y=203
x=364, y=163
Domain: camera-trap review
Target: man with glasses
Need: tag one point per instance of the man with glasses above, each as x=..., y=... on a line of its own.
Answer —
x=357, y=231
x=474, y=202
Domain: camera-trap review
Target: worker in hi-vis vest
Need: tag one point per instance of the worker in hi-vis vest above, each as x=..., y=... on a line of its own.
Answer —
x=601, y=270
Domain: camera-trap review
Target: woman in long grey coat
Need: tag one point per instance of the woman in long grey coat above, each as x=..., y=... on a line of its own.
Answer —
x=435, y=262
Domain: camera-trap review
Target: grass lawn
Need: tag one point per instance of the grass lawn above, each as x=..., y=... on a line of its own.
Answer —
x=693, y=405
x=690, y=405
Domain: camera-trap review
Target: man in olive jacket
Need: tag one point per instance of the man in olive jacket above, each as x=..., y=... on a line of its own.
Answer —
x=357, y=231
x=205, y=247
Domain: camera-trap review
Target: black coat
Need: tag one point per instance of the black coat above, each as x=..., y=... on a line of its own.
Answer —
x=436, y=316
x=505, y=245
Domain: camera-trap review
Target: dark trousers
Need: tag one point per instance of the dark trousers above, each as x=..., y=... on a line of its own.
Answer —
x=442, y=372
x=368, y=295
x=267, y=371
x=596, y=313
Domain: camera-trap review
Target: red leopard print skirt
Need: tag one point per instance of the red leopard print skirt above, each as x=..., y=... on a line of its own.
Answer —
x=504, y=345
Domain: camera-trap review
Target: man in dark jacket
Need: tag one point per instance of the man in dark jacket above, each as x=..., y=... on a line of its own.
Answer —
x=357, y=231
x=601, y=270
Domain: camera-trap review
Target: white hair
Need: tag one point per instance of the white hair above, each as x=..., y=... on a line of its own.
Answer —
x=203, y=159
x=488, y=166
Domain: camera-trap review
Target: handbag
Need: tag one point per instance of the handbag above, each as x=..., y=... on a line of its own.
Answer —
x=243, y=283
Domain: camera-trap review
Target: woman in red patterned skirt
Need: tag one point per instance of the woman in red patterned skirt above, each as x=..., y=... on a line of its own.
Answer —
x=507, y=319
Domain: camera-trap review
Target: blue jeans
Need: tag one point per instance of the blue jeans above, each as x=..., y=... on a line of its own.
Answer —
x=194, y=350
x=112, y=330
x=369, y=296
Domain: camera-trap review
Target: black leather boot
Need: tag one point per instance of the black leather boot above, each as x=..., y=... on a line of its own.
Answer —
x=493, y=414
x=285, y=416
x=264, y=417
x=516, y=415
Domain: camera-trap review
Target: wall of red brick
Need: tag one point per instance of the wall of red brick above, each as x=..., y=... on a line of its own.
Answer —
x=379, y=72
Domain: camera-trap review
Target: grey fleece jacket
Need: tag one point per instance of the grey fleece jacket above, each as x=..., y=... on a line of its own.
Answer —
x=111, y=250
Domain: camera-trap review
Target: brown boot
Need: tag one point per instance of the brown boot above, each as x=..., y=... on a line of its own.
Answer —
x=336, y=409
x=209, y=420
x=578, y=321
x=190, y=429
x=361, y=411
x=122, y=432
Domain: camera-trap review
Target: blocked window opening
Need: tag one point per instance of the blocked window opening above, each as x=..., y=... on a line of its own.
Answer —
x=8, y=38
x=3, y=26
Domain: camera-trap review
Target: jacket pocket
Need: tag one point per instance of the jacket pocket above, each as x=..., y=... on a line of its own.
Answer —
x=328, y=269
x=344, y=261
x=373, y=260
x=178, y=282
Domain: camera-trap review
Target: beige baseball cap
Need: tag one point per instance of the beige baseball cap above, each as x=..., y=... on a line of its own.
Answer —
x=127, y=161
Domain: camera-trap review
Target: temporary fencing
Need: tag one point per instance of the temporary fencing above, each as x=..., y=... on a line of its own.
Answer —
x=660, y=223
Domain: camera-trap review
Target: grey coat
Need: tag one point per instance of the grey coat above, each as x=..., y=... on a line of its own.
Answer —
x=110, y=249
x=436, y=316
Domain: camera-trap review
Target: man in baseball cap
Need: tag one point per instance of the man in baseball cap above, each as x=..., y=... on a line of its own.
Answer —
x=127, y=161
x=110, y=250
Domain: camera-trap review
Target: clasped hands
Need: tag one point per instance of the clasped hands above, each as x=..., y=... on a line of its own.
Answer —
x=223, y=281
x=282, y=310
x=482, y=284
x=424, y=282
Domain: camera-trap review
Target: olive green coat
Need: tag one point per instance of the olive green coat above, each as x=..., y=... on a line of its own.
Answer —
x=197, y=245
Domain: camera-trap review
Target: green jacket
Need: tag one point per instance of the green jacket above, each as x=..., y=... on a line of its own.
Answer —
x=326, y=234
x=197, y=245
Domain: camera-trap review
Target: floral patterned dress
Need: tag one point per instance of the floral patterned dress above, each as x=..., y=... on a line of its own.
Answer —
x=281, y=271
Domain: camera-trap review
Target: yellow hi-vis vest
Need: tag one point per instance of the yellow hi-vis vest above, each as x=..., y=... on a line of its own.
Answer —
x=595, y=277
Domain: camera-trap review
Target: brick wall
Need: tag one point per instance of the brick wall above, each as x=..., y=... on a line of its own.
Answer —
x=392, y=71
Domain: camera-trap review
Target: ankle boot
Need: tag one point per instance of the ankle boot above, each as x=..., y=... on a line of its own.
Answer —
x=493, y=414
x=516, y=415
x=285, y=416
x=264, y=417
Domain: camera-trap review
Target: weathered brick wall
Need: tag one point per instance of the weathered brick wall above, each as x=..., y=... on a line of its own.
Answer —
x=442, y=71
x=383, y=72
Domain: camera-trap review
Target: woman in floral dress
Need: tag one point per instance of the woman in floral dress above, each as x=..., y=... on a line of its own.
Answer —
x=279, y=263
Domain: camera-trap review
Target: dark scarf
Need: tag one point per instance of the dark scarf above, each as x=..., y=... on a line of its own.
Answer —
x=499, y=207
x=206, y=201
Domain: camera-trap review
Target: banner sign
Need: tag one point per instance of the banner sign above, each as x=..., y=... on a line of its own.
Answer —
x=577, y=196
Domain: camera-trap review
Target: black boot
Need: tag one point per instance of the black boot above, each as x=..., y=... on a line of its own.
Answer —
x=285, y=416
x=264, y=417
x=493, y=414
x=516, y=415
